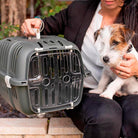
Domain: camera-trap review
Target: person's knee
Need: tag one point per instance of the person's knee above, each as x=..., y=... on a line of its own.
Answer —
x=130, y=114
x=106, y=119
x=130, y=124
x=131, y=121
x=107, y=115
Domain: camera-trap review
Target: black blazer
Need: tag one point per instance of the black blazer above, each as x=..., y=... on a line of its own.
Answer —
x=74, y=21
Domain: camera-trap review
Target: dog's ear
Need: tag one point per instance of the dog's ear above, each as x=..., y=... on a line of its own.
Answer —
x=128, y=34
x=96, y=34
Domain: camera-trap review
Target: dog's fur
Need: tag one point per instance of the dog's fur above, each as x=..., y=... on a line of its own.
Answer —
x=112, y=42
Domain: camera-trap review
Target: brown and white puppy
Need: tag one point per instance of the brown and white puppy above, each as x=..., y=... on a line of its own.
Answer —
x=112, y=42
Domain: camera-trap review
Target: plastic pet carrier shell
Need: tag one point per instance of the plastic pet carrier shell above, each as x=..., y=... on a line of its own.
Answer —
x=39, y=76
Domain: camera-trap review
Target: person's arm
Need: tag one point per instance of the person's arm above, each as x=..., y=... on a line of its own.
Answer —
x=53, y=25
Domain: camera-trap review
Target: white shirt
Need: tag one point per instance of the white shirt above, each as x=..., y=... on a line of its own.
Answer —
x=90, y=55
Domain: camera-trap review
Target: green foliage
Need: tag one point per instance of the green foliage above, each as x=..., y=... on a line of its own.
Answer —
x=50, y=7
x=7, y=30
x=56, y=9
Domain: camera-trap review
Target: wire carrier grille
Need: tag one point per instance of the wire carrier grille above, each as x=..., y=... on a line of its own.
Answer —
x=39, y=76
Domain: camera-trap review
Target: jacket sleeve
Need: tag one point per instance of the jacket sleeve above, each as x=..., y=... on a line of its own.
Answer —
x=55, y=25
x=71, y=16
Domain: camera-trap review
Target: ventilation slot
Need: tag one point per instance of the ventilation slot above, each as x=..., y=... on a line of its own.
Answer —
x=62, y=64
x=35, y=97
x=67, y=94
x=34, y=68
x=40, y=44
x=52, y=67
x=8, y=39
x=60, y=43
x=59, y=65
x=66, y=60
x=60, y=93
x=45, y=97
x=45, y=42
x=75, y=90
x=53, y=93
x=51, y=41
x=53, y=48
x=75, y=64
x=45, y=63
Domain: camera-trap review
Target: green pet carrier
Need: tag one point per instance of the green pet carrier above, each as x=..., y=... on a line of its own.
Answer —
x=40, y=75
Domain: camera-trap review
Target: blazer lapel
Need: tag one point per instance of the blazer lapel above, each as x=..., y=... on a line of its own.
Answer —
x=85, y=24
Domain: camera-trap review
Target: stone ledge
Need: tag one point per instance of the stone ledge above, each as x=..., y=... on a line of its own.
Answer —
x=38, y=128
x=23, y=126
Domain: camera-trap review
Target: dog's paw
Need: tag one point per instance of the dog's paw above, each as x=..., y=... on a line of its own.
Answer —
x=97, y=91
x=106, y=95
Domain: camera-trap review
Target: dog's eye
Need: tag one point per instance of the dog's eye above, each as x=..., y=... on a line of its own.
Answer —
x=115, y=42
x=129, y=48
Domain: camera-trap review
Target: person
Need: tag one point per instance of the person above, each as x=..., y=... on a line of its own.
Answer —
x=95, y=116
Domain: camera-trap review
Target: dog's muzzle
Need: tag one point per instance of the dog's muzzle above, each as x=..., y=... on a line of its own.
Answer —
x=106, y=59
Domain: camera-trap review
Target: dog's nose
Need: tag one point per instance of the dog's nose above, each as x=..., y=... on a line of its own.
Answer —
x=106, y=59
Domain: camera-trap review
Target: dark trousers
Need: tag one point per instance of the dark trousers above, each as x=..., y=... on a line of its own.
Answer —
x=98, y=117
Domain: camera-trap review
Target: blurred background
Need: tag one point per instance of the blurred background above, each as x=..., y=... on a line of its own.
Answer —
x=14, y=12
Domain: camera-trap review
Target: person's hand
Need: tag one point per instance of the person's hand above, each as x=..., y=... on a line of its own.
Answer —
x=28, y=24
x=128, y=67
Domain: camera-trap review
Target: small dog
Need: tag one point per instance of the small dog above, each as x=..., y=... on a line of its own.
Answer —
x=112, y=42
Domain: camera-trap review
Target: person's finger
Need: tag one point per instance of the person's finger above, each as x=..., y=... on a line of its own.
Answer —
x=128, y=56
x=126, y=63
x=123, y=69
x=121, y=73
x=24, y=30
x=129, y=59
x=36, y=23
x=28, y=26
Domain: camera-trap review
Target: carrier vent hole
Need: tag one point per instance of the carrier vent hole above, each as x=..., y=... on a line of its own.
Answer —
x=66, y=79
x=53, y=48
x=45, y=42
x=52, y=41
x=34, y=68
x=40, y=44
x=23, y=82
x=8, y=39
x=60, y=43
x=46, y=81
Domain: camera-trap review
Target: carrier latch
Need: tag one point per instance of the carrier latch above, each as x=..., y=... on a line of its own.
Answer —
x=7, y=81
